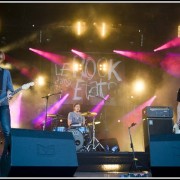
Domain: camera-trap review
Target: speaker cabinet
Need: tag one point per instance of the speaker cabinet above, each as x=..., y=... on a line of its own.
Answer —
x=40, y=154
x=156, y=126
x=165, y=155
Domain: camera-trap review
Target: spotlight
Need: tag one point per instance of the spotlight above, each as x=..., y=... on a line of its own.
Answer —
x=40, y=81
x=77, y=67
x=79, y=28
x=103, y=67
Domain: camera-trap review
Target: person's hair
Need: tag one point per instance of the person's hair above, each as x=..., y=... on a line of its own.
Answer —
x=75, y=105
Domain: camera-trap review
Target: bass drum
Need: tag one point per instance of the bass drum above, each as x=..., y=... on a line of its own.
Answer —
x=78, y=138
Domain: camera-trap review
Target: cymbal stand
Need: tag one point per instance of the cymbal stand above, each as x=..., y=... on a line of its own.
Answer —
x=94, y=140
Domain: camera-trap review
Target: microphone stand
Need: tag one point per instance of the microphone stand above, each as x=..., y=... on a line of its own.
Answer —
x=47, y=98
x=132, y=147
x=135, y=160
x=105, y=100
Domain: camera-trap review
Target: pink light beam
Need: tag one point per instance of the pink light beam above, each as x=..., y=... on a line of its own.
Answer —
x=57, y=59
x=173, y=43
x=15, y=111
x=135, y=116
x=152, y=59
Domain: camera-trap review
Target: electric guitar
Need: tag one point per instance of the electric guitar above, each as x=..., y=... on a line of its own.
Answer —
x=176, y=129
x=23, y=87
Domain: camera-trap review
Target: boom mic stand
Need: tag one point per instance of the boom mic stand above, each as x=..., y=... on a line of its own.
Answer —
x=134, y=163
x=106, y=145
x=135, y=160
x=47, y=98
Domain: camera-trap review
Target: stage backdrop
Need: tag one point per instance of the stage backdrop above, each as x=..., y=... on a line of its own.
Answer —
x=89, y=85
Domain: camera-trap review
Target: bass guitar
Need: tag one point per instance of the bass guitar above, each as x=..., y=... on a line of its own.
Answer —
x=23, y=87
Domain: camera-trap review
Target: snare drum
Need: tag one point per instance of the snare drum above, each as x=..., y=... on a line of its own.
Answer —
x=60, y=129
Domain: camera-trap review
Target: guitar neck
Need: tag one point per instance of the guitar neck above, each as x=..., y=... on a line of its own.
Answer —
x=16, y=91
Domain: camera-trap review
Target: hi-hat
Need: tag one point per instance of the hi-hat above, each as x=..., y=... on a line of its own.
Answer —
x=89, y=114
x=97, y=122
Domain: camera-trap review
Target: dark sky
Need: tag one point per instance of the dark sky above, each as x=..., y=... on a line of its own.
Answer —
x=158, y=21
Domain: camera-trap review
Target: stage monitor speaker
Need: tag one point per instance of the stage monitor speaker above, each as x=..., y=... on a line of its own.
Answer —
x=110, y=144
x=157, y=112
x=36, y=153
x=154, y=126
x=165, y=155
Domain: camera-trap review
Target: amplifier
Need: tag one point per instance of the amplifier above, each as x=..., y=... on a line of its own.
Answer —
x=157, y=112
x=156, y=126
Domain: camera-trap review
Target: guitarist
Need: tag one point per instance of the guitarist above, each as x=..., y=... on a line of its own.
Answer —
x=6, y=87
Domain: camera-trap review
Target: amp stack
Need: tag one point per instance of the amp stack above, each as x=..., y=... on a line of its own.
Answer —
x=157, y=120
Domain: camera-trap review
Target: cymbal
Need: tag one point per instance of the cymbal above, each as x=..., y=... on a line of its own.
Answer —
x=51, y=115
x=98, y=122
x=54, y=115
x=89, y=114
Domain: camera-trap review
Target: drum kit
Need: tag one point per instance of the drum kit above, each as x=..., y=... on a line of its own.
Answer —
x=84, y=136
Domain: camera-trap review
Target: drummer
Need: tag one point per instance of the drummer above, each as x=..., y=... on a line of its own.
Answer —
x=75, y=119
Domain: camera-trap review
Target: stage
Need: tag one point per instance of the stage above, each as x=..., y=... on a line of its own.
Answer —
x=94, y=164
x=109, y=161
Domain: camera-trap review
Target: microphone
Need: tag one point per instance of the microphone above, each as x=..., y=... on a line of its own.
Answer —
x=52, y=94
x=133, y=124
x=46, y=96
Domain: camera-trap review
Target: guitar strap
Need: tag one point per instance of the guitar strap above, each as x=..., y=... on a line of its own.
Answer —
x=1, y=79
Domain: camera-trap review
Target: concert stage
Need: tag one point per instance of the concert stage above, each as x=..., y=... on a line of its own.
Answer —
x=103, y=164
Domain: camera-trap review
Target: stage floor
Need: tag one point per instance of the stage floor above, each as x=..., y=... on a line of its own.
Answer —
x=112, y=161
x=98, y=164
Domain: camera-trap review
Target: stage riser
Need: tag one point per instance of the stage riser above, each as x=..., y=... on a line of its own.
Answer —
x=106, y=162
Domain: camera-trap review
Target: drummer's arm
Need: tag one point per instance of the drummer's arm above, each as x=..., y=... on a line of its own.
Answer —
x=83, y=121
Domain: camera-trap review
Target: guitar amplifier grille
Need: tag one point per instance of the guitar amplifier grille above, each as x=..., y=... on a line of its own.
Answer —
x=157, y=112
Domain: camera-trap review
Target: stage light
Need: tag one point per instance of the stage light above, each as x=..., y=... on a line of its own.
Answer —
x=111, y=167
x=77, y=67
x=79, y=28
x=103, y=30
x=40, y=81
x=103, y=67
x=139, y=86
x=179, y=31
